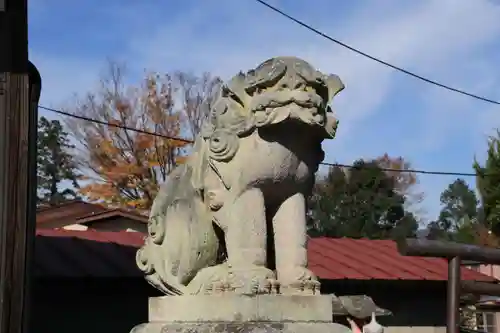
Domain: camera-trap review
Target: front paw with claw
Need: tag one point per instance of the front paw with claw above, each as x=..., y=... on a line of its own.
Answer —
x=299, y=281
x=253, y=280
x=257, y=286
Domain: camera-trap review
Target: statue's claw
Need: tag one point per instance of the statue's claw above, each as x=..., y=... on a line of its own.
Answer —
x=218, y=287
x=228, y=287
x=252, y=280
x=264, y=287
x=303, y=283
x=312, y=287
x=275, y=286
x=296, y=287
x=208, y=289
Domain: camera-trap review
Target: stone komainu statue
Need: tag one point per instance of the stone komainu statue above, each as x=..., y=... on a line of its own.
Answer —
x=233, y=218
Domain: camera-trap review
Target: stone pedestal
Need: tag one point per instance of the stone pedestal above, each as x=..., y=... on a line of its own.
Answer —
x=236, y=313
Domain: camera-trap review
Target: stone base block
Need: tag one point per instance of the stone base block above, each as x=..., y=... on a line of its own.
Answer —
x=241, y=314
x=243, y=327
x=238, y=308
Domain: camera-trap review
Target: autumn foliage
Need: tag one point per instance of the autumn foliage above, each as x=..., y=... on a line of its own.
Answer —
x=126, y=167
x=405, y=180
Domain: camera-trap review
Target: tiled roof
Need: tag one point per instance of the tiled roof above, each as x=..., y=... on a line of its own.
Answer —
x=365, y=259
x=80, y=212
x=104, y=254
x=69, y=211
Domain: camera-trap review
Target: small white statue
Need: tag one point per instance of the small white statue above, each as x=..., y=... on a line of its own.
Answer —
x=373, y=326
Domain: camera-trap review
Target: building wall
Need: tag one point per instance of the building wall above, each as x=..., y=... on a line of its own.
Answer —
x=79, y=227
x=110, y=306
x=113, y=306
x=415, y=329
x=416, y=306
x=119, y=224
x=491, y=270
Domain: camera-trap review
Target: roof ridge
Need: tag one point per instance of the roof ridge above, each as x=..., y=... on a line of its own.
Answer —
x=65, y=203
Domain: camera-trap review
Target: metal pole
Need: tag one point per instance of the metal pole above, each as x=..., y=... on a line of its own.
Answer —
x=453, y=296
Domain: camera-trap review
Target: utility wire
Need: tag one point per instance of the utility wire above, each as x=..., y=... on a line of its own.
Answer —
x=113, y=125
x=400, y=69
x=443, y=173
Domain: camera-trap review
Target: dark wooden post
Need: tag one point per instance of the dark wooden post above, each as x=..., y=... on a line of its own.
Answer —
x=18, y=121
x=453, y=296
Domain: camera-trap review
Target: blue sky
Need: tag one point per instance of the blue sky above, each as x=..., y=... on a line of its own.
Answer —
x=380, y=111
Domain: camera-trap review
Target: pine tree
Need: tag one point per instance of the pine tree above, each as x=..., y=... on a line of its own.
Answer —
x=488, y=185
x=459, y=214
x=362, y=202
x=55, y=164
x=324, y=204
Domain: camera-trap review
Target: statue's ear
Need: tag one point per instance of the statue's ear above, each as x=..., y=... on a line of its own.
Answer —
x=334, y=85
x=199, y=163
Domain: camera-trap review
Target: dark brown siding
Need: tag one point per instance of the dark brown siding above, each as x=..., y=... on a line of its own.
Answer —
x=109, y=306
x=112, y=306
x=413, y=303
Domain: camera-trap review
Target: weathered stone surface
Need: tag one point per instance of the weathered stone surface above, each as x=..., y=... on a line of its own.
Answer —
x=232, y=307
x=227, y=232
x=244, y=187
x=359, y=306
x=242, y=327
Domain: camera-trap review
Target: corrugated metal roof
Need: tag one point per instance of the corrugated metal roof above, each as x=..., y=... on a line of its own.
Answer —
x=68, y=253
x=364, y=259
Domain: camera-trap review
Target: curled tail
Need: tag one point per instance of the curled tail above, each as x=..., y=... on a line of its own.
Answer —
x=181, y=239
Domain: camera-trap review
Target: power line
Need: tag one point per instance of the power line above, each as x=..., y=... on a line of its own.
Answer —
x=442, y=173
x=114, y=125
x=400, y=69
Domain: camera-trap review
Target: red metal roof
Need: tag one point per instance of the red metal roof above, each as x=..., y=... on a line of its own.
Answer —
x=68, y=253
x=366, y=259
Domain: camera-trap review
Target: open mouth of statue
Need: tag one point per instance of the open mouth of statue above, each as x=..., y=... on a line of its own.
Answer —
x=276, y=104
x=278, y=99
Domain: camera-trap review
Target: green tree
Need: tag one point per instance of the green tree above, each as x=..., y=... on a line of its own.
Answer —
x=487, y=182
x=459, y=214
x=360, y=202
x=55, y=164
x=325, y=202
